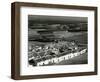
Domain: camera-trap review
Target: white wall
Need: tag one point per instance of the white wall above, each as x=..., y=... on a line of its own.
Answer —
x=5, y=42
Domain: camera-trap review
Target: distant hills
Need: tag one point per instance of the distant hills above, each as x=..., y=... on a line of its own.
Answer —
x=59, y=27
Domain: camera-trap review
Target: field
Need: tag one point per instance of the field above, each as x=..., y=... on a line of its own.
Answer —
x=80, y=37
x=81, y=59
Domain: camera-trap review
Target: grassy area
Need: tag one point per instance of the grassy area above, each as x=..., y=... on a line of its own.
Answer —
x=81, y=38
x=81, y=59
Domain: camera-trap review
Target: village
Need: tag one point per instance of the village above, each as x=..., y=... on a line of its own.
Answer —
x=54, y=53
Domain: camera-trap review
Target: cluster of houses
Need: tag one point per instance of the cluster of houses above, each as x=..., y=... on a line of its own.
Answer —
x=54, y=52
x=61, y=58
